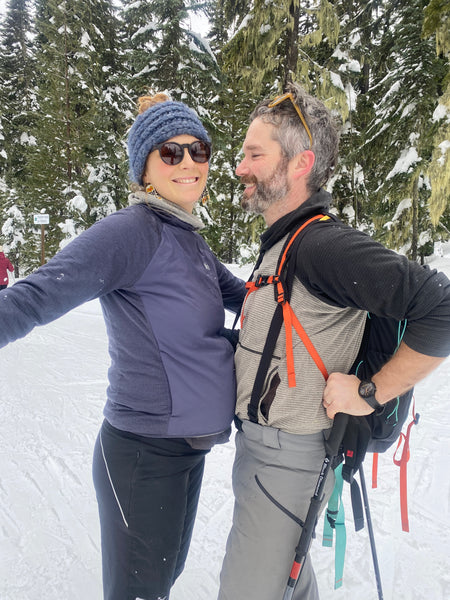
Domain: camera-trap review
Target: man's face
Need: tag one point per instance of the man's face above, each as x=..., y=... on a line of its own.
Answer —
x=263, y=170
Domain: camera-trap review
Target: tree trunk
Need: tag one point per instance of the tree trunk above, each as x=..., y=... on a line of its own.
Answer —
x=292, y=45
x=415, y=219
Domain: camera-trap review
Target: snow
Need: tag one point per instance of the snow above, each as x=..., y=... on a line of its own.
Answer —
x=78, y=202
x=151, y=26
x=408, y=158
x=440, y=112
x=352, y=97
x=25, y=138
x=405, y=204
x=336, y=80
x=444, y=147
x=85, y=41
x=52, y=387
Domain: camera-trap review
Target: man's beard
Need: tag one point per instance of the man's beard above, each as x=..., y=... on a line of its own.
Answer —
x=273, y=189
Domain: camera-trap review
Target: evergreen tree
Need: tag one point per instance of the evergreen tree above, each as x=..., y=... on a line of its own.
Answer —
x=436, y=22
x=275, y=43
x=16, y=100
x=76, y=161
x=232, y=233
x=407, y=77
x=106, y=178
x=165, y=54
x=351, y=65
x=68, y=96
x=358, y=56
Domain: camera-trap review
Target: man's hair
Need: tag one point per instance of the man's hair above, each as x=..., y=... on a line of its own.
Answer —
x=290, y=133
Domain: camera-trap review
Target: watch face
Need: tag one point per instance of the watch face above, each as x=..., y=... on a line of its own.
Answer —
x=367, y=389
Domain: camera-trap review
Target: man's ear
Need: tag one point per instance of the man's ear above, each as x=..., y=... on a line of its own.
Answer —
x=303, y=163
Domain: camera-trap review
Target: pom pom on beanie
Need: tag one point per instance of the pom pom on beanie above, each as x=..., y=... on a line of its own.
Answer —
x=159, y=123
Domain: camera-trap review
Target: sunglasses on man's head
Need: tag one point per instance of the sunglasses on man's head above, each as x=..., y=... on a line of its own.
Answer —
x=172, y=153
x=290, y=96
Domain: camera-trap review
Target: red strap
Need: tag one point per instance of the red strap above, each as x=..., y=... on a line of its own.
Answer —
x=291, y=241
x=375, y=470
x=403, y=464
x=290, y=320
x=287, y=318
x=251, y=287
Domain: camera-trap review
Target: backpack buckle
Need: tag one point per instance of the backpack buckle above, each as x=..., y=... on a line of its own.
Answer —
x=263, y=280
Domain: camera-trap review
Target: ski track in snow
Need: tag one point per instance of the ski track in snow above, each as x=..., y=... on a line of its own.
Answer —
x=52, y=389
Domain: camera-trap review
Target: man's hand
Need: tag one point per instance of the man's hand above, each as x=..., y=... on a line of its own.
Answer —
x=341, y=395
x=406, y=368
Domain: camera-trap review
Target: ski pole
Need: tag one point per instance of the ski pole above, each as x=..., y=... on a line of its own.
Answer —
x=332, y=446
x=371, y=534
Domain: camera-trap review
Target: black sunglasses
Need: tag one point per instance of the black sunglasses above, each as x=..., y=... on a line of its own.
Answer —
x=172, y=153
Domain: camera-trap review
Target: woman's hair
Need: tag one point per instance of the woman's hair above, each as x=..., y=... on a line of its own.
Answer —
x=291, y=134
x=145, y=102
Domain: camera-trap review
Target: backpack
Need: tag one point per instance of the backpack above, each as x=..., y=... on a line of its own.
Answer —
x=372, y=433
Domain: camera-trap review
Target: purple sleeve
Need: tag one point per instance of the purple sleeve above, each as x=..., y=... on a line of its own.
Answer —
x=109, y=255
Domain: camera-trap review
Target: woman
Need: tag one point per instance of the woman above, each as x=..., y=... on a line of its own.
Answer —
x=171, y=387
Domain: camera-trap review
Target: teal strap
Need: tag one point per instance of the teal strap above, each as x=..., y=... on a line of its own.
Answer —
x=335, y=519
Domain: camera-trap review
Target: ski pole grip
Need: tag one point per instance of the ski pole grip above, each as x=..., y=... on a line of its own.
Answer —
x=337, y=433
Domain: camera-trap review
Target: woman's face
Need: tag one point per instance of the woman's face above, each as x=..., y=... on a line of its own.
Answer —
x=183, y=183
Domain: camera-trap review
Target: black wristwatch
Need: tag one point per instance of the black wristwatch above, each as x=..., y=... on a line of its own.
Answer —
x=367, y=391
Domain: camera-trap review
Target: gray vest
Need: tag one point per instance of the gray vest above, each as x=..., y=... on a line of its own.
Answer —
x=335, y=332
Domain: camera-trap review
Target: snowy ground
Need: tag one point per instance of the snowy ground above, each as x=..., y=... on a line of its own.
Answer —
x=52, y=387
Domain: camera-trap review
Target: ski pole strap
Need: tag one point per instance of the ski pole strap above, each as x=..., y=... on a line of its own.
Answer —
x=403, y=464
x=357, y=505
x=334, y=441
x=335, y=520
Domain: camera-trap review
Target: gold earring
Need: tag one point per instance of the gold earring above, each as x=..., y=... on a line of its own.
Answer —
x=149, y=188
x=205, y=197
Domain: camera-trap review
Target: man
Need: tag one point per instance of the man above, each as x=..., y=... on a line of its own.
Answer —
x=290, y=151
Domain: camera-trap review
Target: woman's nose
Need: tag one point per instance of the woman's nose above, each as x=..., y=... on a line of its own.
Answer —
x=187, y=160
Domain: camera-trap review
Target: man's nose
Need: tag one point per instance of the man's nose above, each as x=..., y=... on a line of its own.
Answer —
x=242, y=168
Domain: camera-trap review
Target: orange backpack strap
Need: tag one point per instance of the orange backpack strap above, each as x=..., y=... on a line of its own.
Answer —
x=289, y=317
x=290, y=322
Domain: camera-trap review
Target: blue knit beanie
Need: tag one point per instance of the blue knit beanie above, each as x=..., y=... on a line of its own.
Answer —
x=157, y=124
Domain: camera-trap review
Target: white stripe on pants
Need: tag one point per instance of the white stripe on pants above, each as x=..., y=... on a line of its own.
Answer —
x=262, y=541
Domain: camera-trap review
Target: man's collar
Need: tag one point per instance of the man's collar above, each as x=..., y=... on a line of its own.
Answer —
x=320, y=201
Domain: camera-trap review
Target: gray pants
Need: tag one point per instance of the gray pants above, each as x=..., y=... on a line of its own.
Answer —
x=262, y=541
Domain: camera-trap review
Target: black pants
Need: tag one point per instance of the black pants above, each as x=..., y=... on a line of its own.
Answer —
x=147, y=492
x=3, y=287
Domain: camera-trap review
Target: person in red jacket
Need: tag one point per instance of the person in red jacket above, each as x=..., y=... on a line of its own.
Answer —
x=5, y=266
